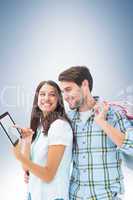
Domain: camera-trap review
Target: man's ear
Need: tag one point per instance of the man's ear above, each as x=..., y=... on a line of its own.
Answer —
x=85, y=83
x=85, y=86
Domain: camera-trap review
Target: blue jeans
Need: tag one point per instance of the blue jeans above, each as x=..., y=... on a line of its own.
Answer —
x=29, y=196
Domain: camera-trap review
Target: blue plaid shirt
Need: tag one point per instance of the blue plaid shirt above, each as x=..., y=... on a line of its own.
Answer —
x=96, y=173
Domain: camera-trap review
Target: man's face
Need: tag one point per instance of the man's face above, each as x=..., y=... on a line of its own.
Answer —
x=72, y=93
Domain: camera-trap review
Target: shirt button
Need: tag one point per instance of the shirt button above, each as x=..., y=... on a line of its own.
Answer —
x=85, y=184
x=83, y=142
x=83, y=156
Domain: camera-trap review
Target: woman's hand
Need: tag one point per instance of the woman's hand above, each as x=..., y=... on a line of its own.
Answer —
x=26, y=133
x=101, y=110
x=26, y=177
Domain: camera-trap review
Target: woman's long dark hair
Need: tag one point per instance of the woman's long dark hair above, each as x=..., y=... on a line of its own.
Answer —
x=37, y=117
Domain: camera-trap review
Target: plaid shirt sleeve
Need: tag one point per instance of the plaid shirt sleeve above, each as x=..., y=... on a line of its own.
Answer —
x=121, y=122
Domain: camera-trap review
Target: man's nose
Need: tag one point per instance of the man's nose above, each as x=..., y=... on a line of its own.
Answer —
x=65, y=95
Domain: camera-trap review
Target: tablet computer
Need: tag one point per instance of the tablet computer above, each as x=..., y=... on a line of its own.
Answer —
x=7, y=123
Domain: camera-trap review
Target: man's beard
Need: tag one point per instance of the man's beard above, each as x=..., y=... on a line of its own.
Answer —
x=78, y=103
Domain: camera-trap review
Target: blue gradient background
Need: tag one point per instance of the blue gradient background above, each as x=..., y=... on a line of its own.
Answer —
x=39, y=39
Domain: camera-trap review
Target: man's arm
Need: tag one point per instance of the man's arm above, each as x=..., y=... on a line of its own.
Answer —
x=116, y=125
x=114, y=134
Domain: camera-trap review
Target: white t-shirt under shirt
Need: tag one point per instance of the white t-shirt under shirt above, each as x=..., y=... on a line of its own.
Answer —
x=85, y=115
x=59, y=132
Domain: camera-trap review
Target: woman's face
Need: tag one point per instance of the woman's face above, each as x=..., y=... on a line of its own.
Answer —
x=47, y=98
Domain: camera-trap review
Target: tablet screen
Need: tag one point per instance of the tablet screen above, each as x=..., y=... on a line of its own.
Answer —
x=7, y=123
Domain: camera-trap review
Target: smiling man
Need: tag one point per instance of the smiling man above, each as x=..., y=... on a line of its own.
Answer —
x=101, y=132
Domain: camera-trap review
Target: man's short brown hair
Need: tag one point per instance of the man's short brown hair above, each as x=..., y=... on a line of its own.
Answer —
x=77, y=74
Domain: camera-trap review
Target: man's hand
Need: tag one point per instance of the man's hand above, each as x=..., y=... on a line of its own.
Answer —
x=100, y=117
x=101, y=110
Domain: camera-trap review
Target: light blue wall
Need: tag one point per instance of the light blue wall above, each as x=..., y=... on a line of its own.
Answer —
x=39, y=39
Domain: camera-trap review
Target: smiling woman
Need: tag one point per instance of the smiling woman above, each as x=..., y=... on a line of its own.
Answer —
x=47, y=153
x=47, y=98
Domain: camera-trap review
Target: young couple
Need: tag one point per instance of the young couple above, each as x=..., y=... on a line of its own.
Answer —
x=92, y=135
